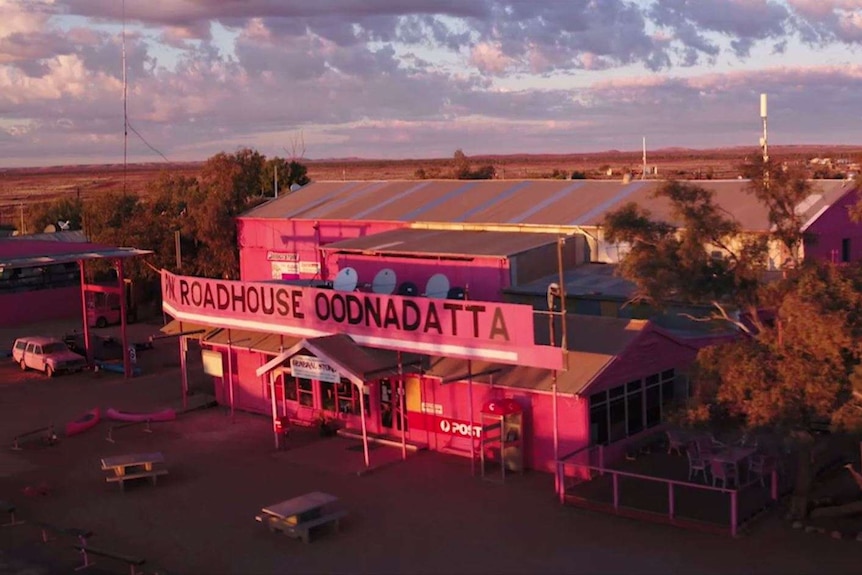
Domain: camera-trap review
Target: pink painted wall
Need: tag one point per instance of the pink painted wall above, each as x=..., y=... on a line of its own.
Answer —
x=538, y=420
x=21, y=308
x=485, y=277
x=831, y=228
x=256, y=237
x=651, y=352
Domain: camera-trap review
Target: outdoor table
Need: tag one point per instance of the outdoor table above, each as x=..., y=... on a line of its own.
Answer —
x=133, y=466
x=302, y=508
x=734, y=456
x=296, y=517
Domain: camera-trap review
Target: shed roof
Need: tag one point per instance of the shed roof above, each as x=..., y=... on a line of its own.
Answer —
x=30, y=253
x=517, y=202
x=444, y=243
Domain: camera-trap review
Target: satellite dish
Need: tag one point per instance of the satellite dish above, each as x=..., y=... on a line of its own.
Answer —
x=456, y=293
x=346, y=280
x=408, y=288
x=50, y=229
x=437, y=286
x=64, y=225
x=384, y=282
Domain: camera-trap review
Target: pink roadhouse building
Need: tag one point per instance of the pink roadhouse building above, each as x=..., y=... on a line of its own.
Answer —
x=385, y=308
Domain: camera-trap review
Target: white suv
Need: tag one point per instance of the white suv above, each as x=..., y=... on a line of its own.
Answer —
x=46, y=354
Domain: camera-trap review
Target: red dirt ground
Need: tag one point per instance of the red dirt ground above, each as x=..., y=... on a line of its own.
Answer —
x=424, y=515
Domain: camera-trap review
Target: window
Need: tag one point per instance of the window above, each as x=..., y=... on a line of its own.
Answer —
x=653, y=405
x=348, y=397
x=327, y=395
x=845, y=250
x=290, y=393
x=305, y=391
x=667, y=388
x=634, y=407
x=629, y=409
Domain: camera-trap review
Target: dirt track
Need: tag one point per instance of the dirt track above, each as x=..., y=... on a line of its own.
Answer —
x=425, y=515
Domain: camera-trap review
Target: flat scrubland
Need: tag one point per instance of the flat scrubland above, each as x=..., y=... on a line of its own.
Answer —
x=27, y=185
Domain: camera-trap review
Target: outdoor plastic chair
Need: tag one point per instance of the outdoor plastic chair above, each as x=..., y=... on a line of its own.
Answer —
x=676, y=441
x=696, y=465
x=724, y=472
x=761, y=466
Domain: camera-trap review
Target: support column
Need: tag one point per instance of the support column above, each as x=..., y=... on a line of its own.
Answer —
x=184, y=368
x=127, y=360
x=402, y=406
x=88, y=349
x=230, y=376
x=364, y=427
x=275, y=433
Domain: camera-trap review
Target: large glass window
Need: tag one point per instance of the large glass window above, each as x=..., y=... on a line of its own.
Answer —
x=628, y=409
x=634, y=407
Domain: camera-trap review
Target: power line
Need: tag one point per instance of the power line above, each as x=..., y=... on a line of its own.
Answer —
x=150, y=146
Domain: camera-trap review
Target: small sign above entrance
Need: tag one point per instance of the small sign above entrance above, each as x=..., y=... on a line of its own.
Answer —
x=309, y=367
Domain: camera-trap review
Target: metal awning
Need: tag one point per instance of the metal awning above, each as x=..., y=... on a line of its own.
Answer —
x=177, y=327
x=13, y=262
x=271, y=343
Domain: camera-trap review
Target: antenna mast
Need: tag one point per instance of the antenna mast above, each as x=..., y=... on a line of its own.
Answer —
x=125, y=110
x=643, y=173
x=764, y=142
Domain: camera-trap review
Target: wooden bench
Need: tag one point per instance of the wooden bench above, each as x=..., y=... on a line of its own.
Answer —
x=302, y=530
x=80, y=534
x=9, y=508
x=153, y=474
x=46, y=434
x=110, y=436
x=86, y=551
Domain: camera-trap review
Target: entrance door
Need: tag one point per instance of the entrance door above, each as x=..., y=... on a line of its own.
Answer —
x=390, y=407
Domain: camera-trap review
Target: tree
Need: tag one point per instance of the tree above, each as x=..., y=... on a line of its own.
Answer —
x=289, y=173
x=463, y=171
x=461, y=163
x=704, y=260
x=798, y=372
x=61, y=210
x=797, y=362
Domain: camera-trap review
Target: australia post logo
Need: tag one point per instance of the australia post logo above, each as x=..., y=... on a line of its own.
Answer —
x=455, y=427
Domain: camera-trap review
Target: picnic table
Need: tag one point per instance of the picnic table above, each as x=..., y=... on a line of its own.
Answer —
x=296, y=517
x=122, y=468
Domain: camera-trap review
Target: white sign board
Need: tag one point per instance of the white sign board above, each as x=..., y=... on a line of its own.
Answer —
x=212, y=362
x=309, y=367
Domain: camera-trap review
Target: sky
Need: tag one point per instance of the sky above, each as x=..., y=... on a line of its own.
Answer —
x=401, y=79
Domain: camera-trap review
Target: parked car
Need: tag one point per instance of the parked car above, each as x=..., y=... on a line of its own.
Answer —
x=46, y=354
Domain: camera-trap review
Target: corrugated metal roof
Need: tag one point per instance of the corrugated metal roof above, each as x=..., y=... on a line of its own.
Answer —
x=444, y=243
x=589, y=279
x=30, y=253
x=58, y=236
x=593, y=343
x=527, y=202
